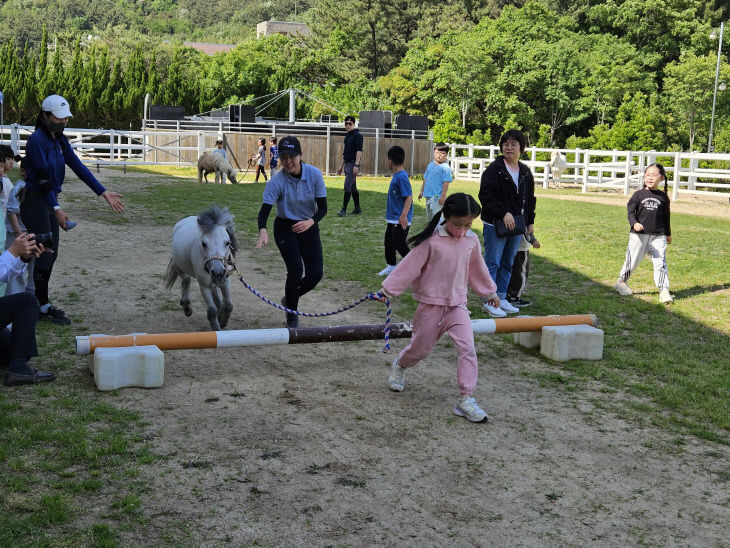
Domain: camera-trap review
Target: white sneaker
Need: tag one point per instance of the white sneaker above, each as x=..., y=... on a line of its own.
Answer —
x=469, y=408
x=494, y=312
x=505, y=305
x=623, y=288
x=387, y=270
x=665, y=296
x=397, y=379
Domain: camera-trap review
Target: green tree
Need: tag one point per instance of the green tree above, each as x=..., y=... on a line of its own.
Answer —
x=688, y=93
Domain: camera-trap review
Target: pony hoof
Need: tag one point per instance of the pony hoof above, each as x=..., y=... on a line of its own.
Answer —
x=188, y=311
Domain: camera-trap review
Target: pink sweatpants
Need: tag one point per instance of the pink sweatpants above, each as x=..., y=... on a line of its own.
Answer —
x=429, y=323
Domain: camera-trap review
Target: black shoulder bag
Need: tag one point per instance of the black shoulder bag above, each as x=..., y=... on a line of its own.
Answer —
x=520, y=227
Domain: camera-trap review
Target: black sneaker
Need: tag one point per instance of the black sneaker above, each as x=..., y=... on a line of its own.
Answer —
x=341, y=213
x=55, y=315
x=519, y=303
x=357, y=211
x=292, y=321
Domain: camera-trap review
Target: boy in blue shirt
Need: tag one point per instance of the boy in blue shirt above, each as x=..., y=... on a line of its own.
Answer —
x=398, y=210
x=436, y=181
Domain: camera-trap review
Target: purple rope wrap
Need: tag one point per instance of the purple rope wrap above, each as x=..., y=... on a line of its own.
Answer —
x=369, y=297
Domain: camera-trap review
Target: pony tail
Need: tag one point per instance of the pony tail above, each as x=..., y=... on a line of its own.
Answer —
x=428, y=231
x=457, y=205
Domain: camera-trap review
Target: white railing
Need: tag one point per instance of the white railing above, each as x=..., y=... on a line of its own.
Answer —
x=106, y=147
x=176, y=143
x=276, y=127
x=687, y=172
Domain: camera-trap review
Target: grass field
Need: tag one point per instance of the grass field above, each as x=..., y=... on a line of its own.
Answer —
x=61, y=446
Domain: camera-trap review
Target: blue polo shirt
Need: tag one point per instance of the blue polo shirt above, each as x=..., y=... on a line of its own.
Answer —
x=47, y=158
x=434, y=178
x=295, y=199
x=399, y=190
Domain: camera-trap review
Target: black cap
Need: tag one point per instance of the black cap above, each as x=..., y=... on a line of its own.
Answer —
x=290, y=145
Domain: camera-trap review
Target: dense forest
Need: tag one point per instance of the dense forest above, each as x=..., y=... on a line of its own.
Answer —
x=636, y=74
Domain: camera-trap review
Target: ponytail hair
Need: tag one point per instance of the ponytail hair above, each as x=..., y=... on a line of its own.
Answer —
x=455, y=205
x=662, y=172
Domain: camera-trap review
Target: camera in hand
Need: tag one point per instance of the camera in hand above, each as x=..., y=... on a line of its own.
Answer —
x=46, y=239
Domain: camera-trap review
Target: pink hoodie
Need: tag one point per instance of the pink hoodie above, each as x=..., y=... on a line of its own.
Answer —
x=440, y=268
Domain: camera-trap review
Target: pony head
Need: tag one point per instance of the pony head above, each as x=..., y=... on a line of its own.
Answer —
x=218, y=241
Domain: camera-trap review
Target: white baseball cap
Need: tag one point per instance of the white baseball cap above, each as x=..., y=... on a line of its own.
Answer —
x=56, y=105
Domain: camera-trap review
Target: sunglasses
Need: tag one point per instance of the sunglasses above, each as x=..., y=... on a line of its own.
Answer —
x=349, y=123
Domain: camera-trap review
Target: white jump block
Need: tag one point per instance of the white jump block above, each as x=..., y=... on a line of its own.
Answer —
x=528, y=339
x=142, y=366
x=571, y=342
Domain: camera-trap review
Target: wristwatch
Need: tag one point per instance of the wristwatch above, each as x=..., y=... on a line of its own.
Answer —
x=356, y=165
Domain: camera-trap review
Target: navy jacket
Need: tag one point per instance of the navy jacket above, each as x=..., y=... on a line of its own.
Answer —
x=47, y=158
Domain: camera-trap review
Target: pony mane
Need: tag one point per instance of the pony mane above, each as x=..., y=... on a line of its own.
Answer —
x=219, y=216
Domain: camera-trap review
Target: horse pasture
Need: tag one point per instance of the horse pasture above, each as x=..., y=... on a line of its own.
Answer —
x=304, y=445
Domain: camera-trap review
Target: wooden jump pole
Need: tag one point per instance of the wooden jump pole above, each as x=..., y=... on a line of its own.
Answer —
x=86, y=344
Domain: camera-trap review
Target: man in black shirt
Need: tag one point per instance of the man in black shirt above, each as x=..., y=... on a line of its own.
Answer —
x=351, y=165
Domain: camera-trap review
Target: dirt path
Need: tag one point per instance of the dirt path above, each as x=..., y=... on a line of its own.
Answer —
x=305, y=446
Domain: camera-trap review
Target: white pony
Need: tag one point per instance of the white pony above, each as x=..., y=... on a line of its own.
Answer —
x=204, y=247
x=211, y=161
x=557, y=166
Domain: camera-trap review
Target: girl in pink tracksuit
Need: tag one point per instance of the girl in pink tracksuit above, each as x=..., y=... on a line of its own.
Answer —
x=444, y=259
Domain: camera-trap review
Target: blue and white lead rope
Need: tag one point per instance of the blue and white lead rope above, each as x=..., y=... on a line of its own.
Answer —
x=369, y=297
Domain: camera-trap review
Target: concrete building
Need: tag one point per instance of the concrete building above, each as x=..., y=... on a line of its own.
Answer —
x=267, y=28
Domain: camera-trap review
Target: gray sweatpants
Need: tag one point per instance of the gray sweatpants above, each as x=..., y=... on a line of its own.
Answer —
x=656, y=247
x=432, y=206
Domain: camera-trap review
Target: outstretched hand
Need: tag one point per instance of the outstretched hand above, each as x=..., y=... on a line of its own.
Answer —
x=114, y=201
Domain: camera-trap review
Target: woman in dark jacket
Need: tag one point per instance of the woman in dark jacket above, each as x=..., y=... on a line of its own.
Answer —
x=507, y=189
x=47, y=153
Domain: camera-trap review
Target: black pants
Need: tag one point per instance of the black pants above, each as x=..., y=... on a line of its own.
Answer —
x=302, y=254
x=260, y=169
x=38, y=218
x=395, y=240
x=520, y=271
x=20, y=309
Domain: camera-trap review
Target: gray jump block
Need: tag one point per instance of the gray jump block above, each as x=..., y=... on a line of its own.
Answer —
x=571, y=342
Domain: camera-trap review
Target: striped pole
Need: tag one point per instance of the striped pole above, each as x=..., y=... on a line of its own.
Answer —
x=86, y=344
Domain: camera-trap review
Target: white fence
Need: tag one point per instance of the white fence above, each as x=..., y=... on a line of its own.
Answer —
x=687, y=172
x=107, y=146
x=181, y=143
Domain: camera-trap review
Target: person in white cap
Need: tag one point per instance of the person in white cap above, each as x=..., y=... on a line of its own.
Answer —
x=48, y=152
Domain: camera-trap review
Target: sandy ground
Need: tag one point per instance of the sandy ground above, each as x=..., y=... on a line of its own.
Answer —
x=304, y=445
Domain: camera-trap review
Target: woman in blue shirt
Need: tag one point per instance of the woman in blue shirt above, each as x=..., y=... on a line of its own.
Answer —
x=301, y=202
x=48, y=152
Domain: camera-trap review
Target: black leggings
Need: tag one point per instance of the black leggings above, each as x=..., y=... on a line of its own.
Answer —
x=302, y=254
x=38, y=218
x=395, y=240
x=260, y=169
